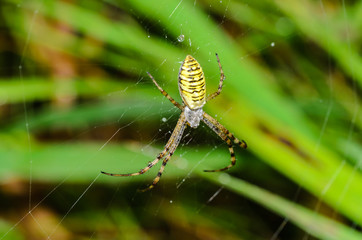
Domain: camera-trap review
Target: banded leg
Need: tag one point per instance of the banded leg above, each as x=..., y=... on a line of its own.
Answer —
x=151, y=164
x=159, y=174
x=143, y=170
x=165, y=93
x=179, y=129
x=225, y=135
x=232, y=157
x=175, y=138
x=222, y=77
x=241, y=143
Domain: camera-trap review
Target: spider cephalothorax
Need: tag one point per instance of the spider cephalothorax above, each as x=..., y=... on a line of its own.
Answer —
x=192, y=89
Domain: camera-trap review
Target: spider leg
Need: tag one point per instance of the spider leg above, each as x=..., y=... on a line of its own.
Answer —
x=151, y=164
x=232, y=155
x=222, y=77
x=170, y=148
x=225, y=135
x=165, y=93
x=159, y=174
x=143, y=170
x=241, y=143
x=177, y=135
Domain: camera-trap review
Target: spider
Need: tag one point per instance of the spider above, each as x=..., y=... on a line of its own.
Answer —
x=192, y=89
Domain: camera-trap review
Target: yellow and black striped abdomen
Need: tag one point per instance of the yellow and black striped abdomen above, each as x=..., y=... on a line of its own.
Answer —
x=191, y=83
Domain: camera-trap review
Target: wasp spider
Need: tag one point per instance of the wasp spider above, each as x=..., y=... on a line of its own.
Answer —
x=192, y=89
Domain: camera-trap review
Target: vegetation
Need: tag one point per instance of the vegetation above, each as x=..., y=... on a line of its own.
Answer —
x=75, y=99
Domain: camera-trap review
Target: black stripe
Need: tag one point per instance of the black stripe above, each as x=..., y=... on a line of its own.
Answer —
x=190, y=78
x=198, y=73
x=194, y=91
x=190, y=63
x=193, y=70
x=197, y=98
x=201, y=85
x=190, y=68
x=186, y=88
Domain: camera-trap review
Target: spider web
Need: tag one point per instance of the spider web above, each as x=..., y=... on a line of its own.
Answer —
x=53, y=203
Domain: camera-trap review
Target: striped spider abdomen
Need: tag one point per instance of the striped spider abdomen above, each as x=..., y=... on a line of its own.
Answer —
x=191, y=82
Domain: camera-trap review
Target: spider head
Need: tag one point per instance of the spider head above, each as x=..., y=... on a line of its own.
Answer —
x=193, y=116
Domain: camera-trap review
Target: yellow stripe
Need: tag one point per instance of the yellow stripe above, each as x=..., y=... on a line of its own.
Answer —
x=192, y=83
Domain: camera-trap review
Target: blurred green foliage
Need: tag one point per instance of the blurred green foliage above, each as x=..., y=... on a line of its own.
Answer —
x=75, y=99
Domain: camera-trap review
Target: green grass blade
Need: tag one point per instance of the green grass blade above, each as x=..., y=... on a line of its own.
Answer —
x=312, y=222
